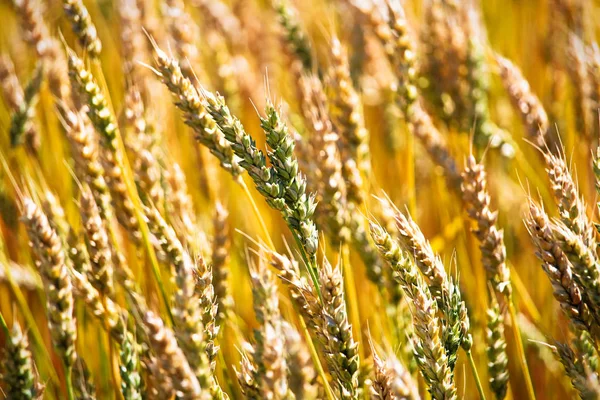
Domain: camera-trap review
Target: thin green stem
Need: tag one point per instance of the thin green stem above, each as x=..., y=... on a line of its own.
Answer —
x=69, y=382
x=4, y=326
x=520, y=349
x=476, y=375
x=315, y=357
x=311, y=265
x=261, y=221
x=521, y=290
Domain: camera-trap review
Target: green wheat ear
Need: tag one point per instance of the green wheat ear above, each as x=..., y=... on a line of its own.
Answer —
x=18, y=368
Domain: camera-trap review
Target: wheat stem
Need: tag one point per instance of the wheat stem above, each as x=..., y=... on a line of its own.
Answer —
x=261, y=221
x=315, y=357
x=520, y=349
x=476, y=375
x=69, y=382
x=351, y=294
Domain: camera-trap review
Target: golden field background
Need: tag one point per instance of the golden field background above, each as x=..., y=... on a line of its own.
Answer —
x=246, y=67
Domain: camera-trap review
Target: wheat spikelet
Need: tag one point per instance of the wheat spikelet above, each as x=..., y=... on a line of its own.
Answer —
x=23, y=109
x=46, y=47
x=583, y=380
x=88, y=168
x=282, y=187
x=21, y=124
x=218, y=17
x=398, y=44
x=570, y=205
x=269, y=349
x=98, y=111
x=391, y=380
x=36, y=30
x=19, y=376
x=341, y=352
x=445, y=45
x=57, y=282
x=485, y=131
x=477, y=202
x=496, y=352
x=160, y=388
x=132, y=41
x=584, y=261
x=281, y=154
x=172, y=359
x=141, y=145
x=293, y=36
x=78, y=254
x=445, y=291
x=585, y=346
x=112, y=157
x=558, y=269
x=21, y=121
x=82, y=26
x=183, y=30
x=195, y=113
x=346, y=117
x=431, y=266
x=110, y=314
x=129, y=364
x=423, y=128
x=302, y=376
x=346, y=112
x=149, y=177
x=244, y=147
x=332, y=187
x=187, y=310
x=427, y=339
x=206, y=293
x=11, y=88
x=55, y=213
x=220, y=262
x=386, y=215
x=527, y=104
x=578, y=72
x=302, y=292
x=97, y=243
x=250, y=388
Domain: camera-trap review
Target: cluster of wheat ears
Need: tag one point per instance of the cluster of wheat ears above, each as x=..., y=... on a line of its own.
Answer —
x=222, y=199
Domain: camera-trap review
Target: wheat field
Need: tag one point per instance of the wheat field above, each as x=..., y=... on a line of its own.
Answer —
x=299, y=199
